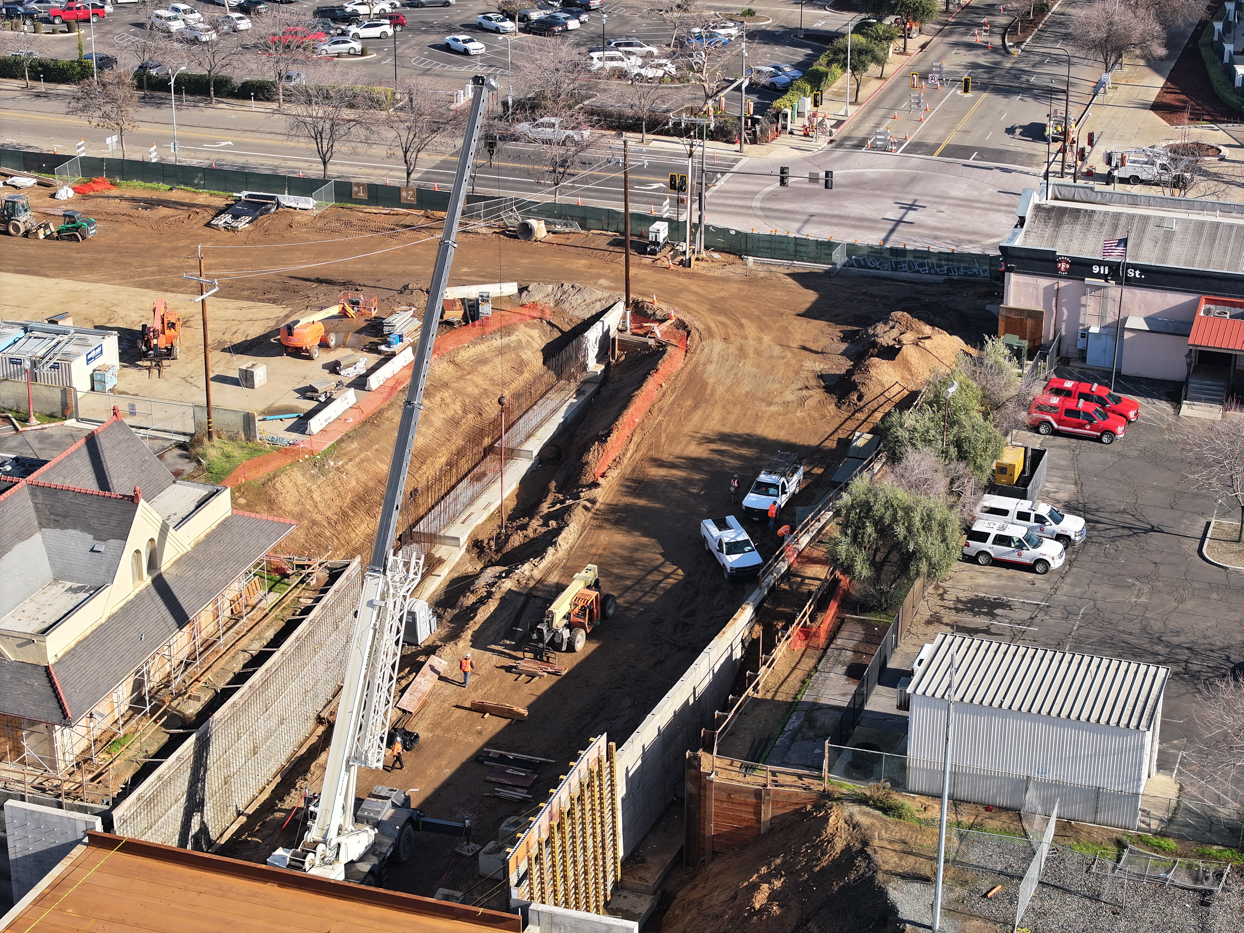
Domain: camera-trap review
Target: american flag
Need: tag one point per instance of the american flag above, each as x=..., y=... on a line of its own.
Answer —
x=1114, y=249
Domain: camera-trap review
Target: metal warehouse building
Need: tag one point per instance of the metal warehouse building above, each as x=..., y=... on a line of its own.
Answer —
x=59, y=356
x=1035, y=725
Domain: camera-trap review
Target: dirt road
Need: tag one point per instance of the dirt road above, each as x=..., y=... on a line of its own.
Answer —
x=765, y=343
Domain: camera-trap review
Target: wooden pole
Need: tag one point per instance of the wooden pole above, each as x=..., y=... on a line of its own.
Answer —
x=626, y=229
x=207, y=363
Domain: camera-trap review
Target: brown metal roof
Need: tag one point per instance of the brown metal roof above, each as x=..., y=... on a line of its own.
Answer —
x=1217, y=333
x=124, y=884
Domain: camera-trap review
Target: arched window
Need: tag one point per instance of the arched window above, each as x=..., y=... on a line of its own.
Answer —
x=153, y=564
x=136, y=567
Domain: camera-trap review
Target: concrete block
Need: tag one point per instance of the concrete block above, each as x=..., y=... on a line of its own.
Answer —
x=541, y=918
x=253, y=375
x=38, y=838
x=492, y=860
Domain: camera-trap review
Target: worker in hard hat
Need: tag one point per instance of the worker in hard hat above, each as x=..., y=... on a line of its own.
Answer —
x=467, y=667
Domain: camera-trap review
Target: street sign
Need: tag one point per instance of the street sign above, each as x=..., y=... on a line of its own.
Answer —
x=111, y=144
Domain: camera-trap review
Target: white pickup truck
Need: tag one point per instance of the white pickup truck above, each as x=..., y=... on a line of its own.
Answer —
x=726, y=540
x=779, y=481
x=1152, y=165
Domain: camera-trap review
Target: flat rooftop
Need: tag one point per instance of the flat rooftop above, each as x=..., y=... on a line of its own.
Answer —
x=42, y=611
x=114, y=883
x=181, y=499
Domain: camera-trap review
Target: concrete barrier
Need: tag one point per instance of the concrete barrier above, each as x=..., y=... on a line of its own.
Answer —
x=334, y=410
x=382, y=374
x=38, y=838
x=495, y=290
x=542, y=918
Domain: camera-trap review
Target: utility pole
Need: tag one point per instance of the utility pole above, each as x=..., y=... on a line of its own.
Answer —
x=690, y=193
x=699, y=235
x=941, y=822
x=501, y=404
x=204, y=294
x=626, y=228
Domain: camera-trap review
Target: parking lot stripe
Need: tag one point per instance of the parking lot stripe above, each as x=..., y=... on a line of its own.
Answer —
x=1012, y=599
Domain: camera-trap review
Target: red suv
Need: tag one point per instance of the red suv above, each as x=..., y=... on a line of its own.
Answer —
x=1049, y=413
x=397, y=19
x=1119, y=405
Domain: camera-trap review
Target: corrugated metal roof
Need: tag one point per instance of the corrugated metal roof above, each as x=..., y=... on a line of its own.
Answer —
x=1043, y=681
x=1217, y=333
x=1154, y=238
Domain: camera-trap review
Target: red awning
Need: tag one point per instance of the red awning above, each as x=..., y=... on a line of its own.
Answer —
x=1217, y=333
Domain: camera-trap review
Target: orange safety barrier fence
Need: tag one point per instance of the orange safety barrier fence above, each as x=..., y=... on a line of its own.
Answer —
x=646, y=396
x=374, y=400
x=822, y=633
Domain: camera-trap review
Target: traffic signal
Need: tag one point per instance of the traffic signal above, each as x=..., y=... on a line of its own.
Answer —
x=829, y=180
x=678, y=182
x=490, y=143
x=784, y=176
x=967, y=85
x=817, y=97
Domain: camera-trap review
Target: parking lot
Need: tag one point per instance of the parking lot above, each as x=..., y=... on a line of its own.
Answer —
x=419, y=49
x=1136, y=589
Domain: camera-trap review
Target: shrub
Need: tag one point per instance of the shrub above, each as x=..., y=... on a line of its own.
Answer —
x=880, y=796
x=261, y=88
x=817, y=78
x=1222, y=86
x=52, y=70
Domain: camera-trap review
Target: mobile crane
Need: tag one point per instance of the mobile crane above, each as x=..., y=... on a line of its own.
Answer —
x=344, y=842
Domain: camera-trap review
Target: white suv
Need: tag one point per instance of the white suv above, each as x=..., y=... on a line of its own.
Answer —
x=990, y=541
x=1039, y=517
x=372, y=29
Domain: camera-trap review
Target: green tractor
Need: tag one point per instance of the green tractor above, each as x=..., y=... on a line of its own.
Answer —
x=19, y=220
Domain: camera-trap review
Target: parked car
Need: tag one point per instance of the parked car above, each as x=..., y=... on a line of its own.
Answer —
x=103, y=5
x=1119, y=405
x=166, y=21
x=151, y=67
x=769, y=78
x=187, y=13
x=198, y=32
x=366, y=8
x=583, y=4
x=789, y=70
x=551, y=128
x=227, y=4
x=18, y=11
x=231, y=22
x=1049, y=413
x=103, y=61
x=296, y=36
x=569, y=20
x=990, y=541
x=633, y=46
x=74, y=12
x=396, y=20
x=703, y=39
x=545, y=26
x=464, y=45
x=251, y=7
x=610, y=60
x=495, y=22
x=40, y=6
x=726, y=28
x=294, y=78
x=420, y=4
x=1041, y=518
x=372, y=29
x=340, y=45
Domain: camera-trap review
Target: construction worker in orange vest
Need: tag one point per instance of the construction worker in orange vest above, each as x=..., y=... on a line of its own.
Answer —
x=467, y=668
x=772, y=514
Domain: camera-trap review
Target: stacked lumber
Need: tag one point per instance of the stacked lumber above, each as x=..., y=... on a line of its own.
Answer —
x=505, y=710
x=515, y=777
x=533, y=668
x=493, y=758
x=417, y=693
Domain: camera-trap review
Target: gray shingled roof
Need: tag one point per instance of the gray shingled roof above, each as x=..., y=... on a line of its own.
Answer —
x=24, y=566
x=72, y=523
x=27, y=692
x=112, y=459
x=133, y=633
x=1044, y=682
x=1153, y=238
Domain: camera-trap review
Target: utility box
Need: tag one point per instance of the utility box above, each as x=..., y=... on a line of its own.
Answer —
x=104, y=378
x=253, y=375
x=1008, y=468
x=1017, y=347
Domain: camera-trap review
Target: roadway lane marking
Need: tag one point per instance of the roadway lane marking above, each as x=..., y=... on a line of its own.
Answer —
x=924, y=124
x=984, y=94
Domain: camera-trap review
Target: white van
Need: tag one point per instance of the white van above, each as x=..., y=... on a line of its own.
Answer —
x=1040, y=517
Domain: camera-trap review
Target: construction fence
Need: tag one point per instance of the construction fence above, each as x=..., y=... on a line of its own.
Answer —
x=200, y=790
x=769, y=245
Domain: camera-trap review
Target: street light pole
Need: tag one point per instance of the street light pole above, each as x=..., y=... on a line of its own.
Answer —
x=800, y=19
x=603, y=18
x=395, y=59
x=849, y=22
x=743, y=94
x=172, y=91
x=94, y=64
x=509, y=78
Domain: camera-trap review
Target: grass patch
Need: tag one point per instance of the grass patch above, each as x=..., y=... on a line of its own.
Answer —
x=882, y=798
x=141, y=185
x=21, y=416
x=1214, y=853
x=1094, y=849
x=1156, y=842
x=219, y=458
x=118, y=745
x=992, y=830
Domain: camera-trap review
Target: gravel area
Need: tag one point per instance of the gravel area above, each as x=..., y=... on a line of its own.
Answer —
x=1071, y=898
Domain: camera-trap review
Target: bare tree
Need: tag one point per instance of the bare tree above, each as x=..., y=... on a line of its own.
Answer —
x=646, y=99
x=706, y=67
x=682, y=16
x=1213, y=768
x=1173, y=14
x=283, y=48
x=921, y=473
x=551, y=76
x=1006, y=390
x=1108, y=32
x=11, y=43
x=863, y=54
x=327, y=115
x=150, y=46
x=109, y=102
x=421, y=116
x=216, y=58
x=1216, y=453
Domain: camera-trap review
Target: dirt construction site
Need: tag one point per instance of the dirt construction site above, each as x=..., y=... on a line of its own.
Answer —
x=777, y=359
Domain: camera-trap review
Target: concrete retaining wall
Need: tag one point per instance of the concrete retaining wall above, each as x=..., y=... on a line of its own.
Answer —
x=227, y=421
x=544, y=919
x=199, y=791
x=53, y=401
x=38, y=838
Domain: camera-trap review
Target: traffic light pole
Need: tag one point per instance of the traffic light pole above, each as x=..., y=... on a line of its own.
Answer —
x=690, y=191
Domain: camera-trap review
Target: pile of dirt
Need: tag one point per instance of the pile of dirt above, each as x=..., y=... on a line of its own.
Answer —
x=898, y=351
x=820, y=870
x=580, y=301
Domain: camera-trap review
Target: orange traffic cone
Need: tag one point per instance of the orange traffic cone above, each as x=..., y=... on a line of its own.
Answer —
x=921, y=118
x=651, y=210
x=991, y=46
x=977, y=36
